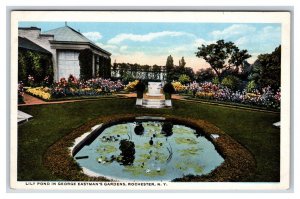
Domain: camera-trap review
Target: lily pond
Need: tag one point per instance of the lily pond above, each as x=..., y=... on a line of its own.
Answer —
x=148, y=151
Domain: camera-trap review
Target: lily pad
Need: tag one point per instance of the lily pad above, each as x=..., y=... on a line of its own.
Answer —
x=182, y=130
x=120, y=129
x=137, y=170
x=185, y=166
x=106, y=149
x=182, y=140
x=190, y=151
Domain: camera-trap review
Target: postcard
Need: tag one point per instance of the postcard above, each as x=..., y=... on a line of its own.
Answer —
x=150, y=100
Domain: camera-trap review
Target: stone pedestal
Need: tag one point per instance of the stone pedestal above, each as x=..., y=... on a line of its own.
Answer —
x=168, y=103
x=139, y=102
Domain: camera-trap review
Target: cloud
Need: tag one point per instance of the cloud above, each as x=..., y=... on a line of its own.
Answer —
x=123, y=48
x=94, y=36
x=199, y=41
x=264, y=40
x=146, y=37
x=107, y=46
x=233, y=30
x=242, y=41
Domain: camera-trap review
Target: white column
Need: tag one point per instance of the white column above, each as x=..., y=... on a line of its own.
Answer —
x=93, y=65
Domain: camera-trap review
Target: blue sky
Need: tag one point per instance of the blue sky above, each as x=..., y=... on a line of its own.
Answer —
x=151, y=43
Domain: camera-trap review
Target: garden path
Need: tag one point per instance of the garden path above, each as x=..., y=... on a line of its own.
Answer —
x=30, y=100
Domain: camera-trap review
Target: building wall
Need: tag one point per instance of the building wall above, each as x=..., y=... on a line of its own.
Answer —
x=43, y=40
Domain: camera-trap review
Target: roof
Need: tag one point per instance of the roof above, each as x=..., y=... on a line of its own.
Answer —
x=29, y=28
x=68, y=34
x=27, y=44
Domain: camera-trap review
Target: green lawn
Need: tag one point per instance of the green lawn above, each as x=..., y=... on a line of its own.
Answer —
x=252, y=129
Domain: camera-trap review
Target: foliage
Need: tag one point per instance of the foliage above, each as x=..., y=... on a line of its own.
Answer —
x=104, y=70
x=140, y=86
x=169, y=88
x=34, y=66
x=266, y=69
x=204, y=75
x=182, y=63
x=20, y=92
x=231, y=82
x=184, y=79
x=86, y=64
x=222, y=56
x=169, y=67
x=215, y=80
x=251, y=86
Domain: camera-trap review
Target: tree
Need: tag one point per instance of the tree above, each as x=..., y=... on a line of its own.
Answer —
x=189, y=72
x=223, y=56
x=182, y=63
x=169, y=66
x=266, y=69
x=203, y=75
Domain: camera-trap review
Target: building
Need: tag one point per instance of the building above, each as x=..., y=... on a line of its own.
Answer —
x=65, y=45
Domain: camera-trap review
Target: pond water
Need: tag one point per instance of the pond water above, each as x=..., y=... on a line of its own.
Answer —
x=149, y=151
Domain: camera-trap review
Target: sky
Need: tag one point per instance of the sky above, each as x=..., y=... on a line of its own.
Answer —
x=151, y=43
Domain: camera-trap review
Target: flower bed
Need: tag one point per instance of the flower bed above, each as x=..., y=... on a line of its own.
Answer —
x=131, y=86
x=40, y=92
x=179, y=88
x=72, y=87
x=207, y=90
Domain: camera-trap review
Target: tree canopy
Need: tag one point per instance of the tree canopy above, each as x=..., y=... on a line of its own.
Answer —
x=266, y=69
x=223, y=56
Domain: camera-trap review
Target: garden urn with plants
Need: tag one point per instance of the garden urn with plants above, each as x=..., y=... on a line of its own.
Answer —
x=140, y=88
x=168, y=91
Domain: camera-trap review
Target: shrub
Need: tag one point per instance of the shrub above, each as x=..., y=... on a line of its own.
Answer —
x=184, y=79
x=231, y=82
x=215, y=81
x=251, y=86
x=20, y=93
x=169, y=88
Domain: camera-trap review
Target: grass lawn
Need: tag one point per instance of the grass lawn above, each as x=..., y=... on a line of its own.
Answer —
x=51, y=122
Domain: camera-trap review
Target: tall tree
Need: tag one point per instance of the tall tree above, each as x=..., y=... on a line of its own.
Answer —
x=267, y=68
x=169, y=67
x=223, y=56
x=182, y=62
